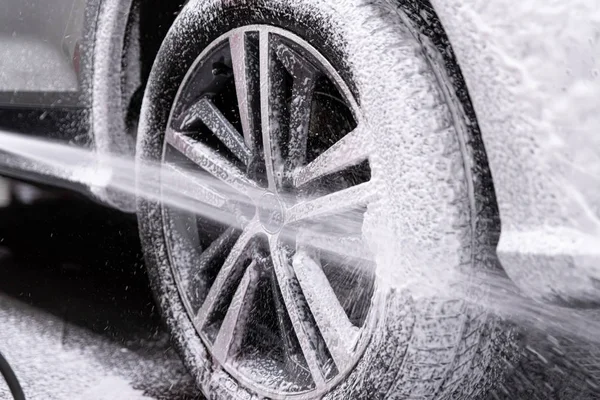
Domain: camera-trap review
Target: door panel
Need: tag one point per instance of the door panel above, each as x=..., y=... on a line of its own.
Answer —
x=39, y=50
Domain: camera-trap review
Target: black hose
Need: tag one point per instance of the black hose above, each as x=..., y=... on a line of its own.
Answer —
x=11, y=379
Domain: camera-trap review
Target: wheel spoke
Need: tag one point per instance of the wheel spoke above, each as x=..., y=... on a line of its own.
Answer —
x=297, y=65
x=291, y=293
x=345, y=246
x=205, y=111
x=335, y=327
x=290, y=346
x=229, y=269
x=217, y=247
x=186, y=191
x=188, y=253
x=185, y=244
x=237, y=315
x=241, y=72
x=304, y=74
x=211, y=162
x=271, y=104
x=186, y=183
x=350, y=150
x=344, y=200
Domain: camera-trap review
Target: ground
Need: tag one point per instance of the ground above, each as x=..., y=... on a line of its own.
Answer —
x=77, y=317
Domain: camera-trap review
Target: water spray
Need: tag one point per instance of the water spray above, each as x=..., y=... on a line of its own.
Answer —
x=189, y=190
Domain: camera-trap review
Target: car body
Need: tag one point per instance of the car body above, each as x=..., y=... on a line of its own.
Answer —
x=59, y=57
x=531, y=73
x=41, y=44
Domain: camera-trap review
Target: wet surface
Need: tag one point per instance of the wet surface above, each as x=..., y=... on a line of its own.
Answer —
x=77, y=319
x=551, y=367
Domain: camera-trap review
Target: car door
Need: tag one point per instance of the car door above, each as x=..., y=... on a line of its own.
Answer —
x=39, y=51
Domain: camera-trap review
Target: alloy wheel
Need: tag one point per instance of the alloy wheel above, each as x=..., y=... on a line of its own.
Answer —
x=283, y=292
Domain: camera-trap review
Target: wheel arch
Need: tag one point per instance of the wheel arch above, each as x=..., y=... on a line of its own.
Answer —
x=125, y=36
x=423, y=15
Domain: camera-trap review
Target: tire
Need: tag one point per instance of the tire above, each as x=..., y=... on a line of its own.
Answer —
x=424, y=343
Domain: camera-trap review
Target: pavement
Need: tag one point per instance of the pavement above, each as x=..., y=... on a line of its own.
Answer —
x=78, y=321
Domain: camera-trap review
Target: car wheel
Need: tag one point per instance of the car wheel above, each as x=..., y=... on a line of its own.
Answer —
x=353, y=160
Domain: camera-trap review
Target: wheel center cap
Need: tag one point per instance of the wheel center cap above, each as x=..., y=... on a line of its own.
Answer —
x=271, y=212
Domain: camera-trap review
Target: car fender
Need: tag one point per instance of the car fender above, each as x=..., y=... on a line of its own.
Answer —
x=109, y=96
x=533, y=75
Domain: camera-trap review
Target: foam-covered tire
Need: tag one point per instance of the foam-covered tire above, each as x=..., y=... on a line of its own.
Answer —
x=440, y=207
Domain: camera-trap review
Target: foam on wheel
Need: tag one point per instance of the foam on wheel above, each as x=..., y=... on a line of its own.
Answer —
x=341, y=134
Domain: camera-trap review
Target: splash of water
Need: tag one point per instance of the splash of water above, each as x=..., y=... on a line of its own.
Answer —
x=191, y=191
